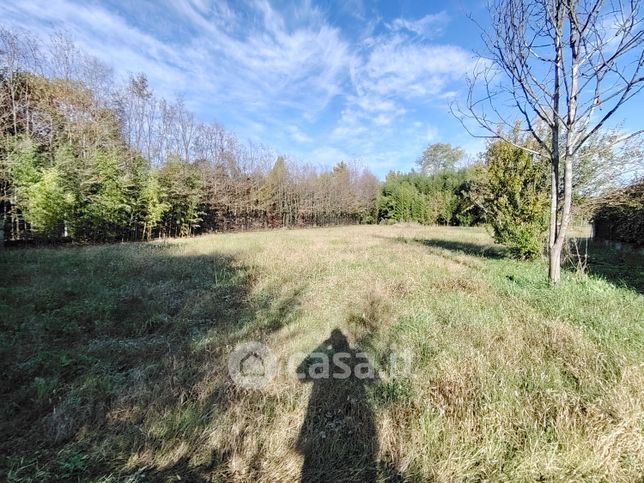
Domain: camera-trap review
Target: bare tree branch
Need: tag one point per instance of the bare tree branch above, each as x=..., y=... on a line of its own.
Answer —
x=563, y=61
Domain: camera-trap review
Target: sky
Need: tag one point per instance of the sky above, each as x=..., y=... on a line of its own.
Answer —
x=320, y=81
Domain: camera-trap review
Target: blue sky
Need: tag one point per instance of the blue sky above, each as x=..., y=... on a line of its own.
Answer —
x=321, y=81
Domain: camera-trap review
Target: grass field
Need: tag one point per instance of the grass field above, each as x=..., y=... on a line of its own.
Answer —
x=114, y=360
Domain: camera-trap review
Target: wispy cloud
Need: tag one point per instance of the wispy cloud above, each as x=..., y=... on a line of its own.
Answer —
x=298, y=135
x=267, y=63
x=396, y=66
x=271, y=72
x=103, y=34
x=430, y=25
x=395, y=76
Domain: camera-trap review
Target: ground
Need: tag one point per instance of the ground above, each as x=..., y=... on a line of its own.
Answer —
x=114, y=360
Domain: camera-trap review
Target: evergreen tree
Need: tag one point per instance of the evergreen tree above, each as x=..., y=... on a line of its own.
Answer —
x=181, y=188
x=105, y=205
x=514, y=194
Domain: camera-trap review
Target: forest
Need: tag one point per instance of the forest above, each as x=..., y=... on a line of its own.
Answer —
x=86, y=158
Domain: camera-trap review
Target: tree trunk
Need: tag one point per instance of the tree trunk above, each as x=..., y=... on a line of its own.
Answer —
x=557, y=248
x=554, y=252
x=554, y=199
x=556, y=230
x=554, y=260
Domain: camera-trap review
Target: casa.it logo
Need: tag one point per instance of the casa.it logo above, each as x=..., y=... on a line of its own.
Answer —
x=252, y=365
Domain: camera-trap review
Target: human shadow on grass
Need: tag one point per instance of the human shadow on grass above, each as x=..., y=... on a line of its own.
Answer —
x=338, y=438
x=129, y=357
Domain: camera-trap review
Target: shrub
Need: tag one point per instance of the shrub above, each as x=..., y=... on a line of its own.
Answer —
x=514, y=195
x=620, y=215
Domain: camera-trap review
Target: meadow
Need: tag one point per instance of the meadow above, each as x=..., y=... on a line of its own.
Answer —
x=114, y=360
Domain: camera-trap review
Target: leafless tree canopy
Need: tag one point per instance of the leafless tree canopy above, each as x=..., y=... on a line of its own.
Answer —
x=564, y=67
x=570, y=64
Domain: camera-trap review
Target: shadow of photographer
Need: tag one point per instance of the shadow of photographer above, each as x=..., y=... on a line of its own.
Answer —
x=338, y=437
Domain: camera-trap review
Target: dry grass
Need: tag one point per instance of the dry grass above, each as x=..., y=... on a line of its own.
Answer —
x=115, y=360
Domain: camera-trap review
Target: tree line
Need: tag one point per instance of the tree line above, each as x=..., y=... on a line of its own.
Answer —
x=508, y=188
x=85, y=157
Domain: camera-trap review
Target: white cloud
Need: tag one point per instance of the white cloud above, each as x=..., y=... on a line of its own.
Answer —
x=373, y=104
x=104, y=35
x=398, y=67
x=382, y=120
x=352, y=123
x=270, y=64
x=432, y=134
x=354, y=8
x=264, y=64
x=395, y=76
x=428, y=26
x=298, y=135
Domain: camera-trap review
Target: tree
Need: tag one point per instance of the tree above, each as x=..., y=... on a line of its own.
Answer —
x=619, y=215
x=19, y=52
x=367, y=186
x=441, y=198
x=570, y=65
x=604, y=164
x=64, y=56
x=135, y=106
x=513, y=194
x=276, y=191
x=401, y=200
x=105, y=204
x=181, y=187
x=47, y=204
x=150, y=205
x=439, y=157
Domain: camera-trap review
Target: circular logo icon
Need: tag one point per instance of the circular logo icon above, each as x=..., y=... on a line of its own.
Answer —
x=252, y=365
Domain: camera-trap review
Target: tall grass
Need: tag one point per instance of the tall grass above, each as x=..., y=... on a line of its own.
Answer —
x=114, y=361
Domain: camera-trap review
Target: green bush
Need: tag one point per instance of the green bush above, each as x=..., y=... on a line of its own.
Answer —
x=514, y=195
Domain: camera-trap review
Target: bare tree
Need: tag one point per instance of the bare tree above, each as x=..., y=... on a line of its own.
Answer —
x=19, y=53
x=163, y=131
x=97, y=77
x=63, y=56
x=606, y=162
x=134, y=104
x=184, y=130
x=568, y=66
